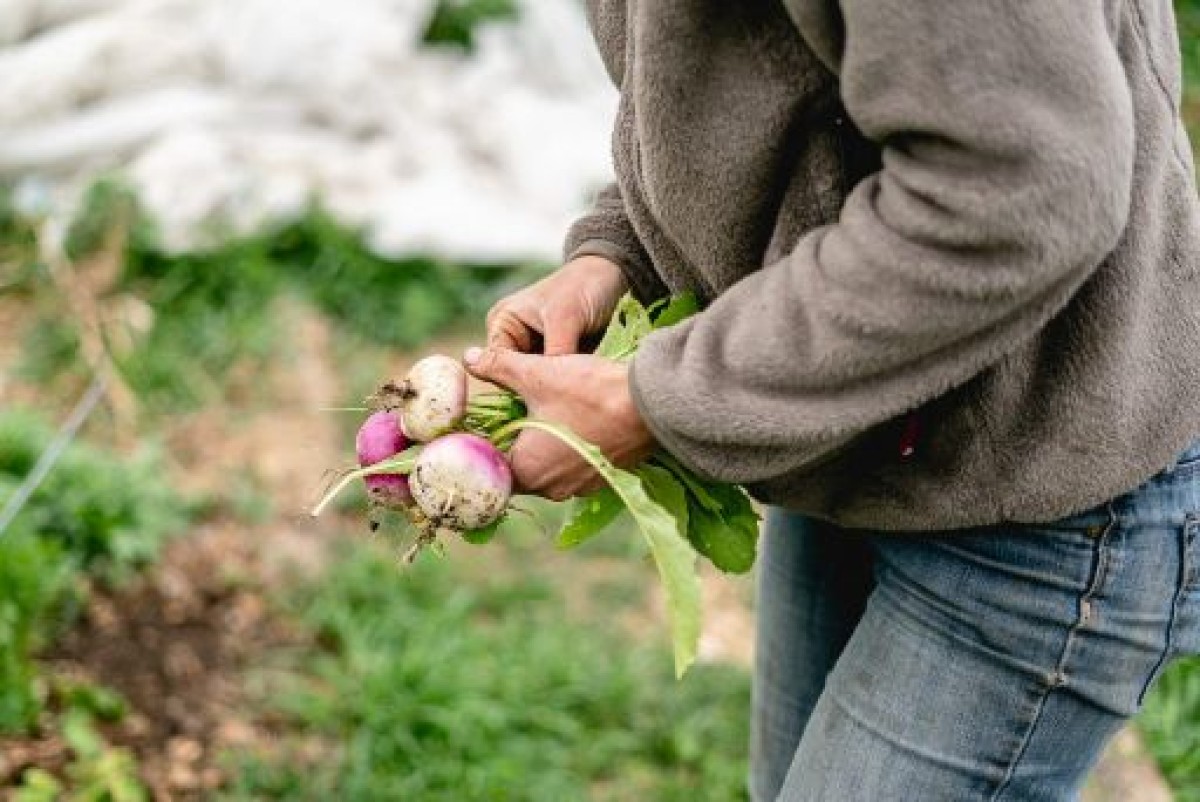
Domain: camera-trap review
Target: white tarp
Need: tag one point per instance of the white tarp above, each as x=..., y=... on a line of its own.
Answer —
x=235, y=112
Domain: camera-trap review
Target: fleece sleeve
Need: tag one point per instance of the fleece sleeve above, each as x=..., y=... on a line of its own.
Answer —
x=1007, y=138
x=606, y=231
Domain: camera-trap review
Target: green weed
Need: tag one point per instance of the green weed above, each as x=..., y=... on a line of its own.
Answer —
x=96, y=513
x=438, y=686
x=97, y=771
x=1170, y=722
x=454, y=21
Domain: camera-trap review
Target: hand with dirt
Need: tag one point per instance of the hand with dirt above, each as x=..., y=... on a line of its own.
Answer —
x=571, y=303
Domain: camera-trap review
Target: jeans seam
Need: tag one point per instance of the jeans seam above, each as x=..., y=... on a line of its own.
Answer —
x=1058, y=678
x=1189, y=525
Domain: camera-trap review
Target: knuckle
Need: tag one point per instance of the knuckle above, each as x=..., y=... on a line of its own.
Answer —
x=505, y=305
x=488, y=362
x=506, y=309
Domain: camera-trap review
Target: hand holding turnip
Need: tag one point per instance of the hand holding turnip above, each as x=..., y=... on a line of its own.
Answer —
x=569, y=427
x=588, y=395
x=572, y=302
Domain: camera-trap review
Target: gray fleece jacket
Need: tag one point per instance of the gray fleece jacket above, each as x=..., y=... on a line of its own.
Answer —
x=981, y=211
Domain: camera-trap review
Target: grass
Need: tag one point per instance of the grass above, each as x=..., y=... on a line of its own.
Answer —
x=436, y=685
x=96, y=771
x=96, y=514
x=1170, y=723
x=1187, y=13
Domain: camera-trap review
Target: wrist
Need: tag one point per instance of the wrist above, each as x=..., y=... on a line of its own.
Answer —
x=598, y=268
x=628, y=416
x=600, y=264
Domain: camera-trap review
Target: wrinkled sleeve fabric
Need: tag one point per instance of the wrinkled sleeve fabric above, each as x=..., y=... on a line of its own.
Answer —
x=1007, y=145
x=606, y=231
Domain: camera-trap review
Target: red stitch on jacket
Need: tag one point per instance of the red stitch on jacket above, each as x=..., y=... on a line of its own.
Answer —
x=910, y=435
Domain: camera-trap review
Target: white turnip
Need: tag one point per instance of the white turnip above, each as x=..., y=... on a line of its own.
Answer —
x=432, y=398
x=461, y=482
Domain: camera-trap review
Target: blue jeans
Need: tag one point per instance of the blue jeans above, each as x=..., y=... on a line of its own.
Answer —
x=988, y=664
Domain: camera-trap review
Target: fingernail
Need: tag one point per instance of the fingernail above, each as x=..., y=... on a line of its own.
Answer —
x=472, y=354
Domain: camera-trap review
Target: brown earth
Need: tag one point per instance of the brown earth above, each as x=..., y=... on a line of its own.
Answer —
x=175, y=644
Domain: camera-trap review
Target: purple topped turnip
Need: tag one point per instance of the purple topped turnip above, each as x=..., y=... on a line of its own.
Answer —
x=461, y=482
x=380, y=438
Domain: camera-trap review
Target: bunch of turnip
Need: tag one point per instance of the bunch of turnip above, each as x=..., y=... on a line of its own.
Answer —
x=415, y=458
x=430, y=452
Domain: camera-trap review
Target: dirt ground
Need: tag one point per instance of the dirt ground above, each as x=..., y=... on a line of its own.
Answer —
x=175, y=645
x=178, y=643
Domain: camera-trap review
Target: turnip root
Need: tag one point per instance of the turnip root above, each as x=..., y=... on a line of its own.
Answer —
x=461, y=482
x=380, y=438
x=432, y=398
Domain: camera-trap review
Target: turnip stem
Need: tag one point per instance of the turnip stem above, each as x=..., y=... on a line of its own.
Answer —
x=400, y=464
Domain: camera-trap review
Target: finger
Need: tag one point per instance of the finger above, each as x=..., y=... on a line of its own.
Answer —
x=562, y=335
x=527, y=458
x=580, y=482
x=517, y=371
x=594, y=484
x=557, y=492
x=543, y=466
x=506, y=329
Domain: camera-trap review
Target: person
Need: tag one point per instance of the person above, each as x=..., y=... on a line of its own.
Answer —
x=948, y=256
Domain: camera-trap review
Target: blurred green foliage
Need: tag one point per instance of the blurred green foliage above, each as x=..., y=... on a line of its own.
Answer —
x=97, y=771
x=96, y=513
x=1187, y=14
x=18, y=244
x=1170, y=723
x=454, y=21
x=216, y=308
x=437, y=685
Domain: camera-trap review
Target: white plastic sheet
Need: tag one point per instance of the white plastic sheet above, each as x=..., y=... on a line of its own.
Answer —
x=240, y=111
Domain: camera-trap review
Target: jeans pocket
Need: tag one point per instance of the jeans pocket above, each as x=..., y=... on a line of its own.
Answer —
x=1187, y=462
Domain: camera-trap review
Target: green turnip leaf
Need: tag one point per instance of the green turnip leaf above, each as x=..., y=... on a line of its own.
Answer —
x=673, y=555
x=675, y=310
x=589, y=516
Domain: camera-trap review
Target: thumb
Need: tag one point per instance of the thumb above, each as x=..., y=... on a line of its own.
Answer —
x=511, y=369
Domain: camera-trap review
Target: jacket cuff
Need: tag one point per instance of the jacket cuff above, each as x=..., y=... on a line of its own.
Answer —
x=645, y=286
x=641, y=388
